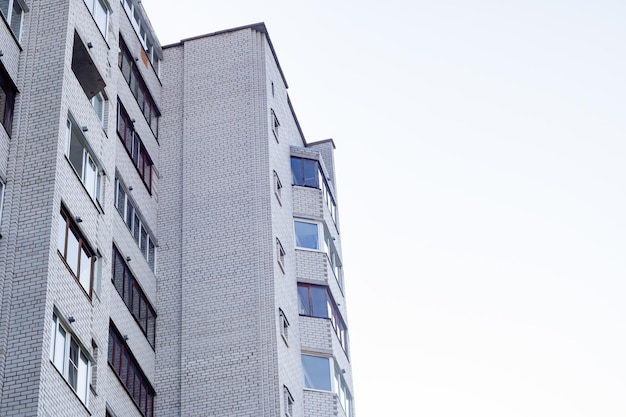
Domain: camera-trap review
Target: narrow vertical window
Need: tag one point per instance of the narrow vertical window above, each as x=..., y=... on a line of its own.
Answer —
x=275, y=124
x=280, y=254
x=278, y=187
x=7, y=99
x=284, y=326
x=288, y=401
x=72, y=247
x=1, y=199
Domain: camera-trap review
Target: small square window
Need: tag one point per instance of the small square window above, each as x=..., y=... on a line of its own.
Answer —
x=280, y=253
x=307, y=235
x=288, y=401
x=284, y=326
x=278, y=187
x=275, y=125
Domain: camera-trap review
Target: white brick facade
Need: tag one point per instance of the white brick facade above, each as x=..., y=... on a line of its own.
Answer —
x=226, y=135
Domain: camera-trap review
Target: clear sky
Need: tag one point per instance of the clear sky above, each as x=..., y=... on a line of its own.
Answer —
x=481, y=177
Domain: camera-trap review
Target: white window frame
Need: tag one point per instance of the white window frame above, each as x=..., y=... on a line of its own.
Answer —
x=330, y=363
x=104, y=6
x=99, y=99
x=60, y=346
x=91, y=179
x=10, y=15
x=320, y=234
x=135, y=223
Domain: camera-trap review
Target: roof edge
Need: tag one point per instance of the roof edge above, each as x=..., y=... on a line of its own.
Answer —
x=260, y=27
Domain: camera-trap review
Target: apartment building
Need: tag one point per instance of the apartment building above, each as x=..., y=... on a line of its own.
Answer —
x=169, y=241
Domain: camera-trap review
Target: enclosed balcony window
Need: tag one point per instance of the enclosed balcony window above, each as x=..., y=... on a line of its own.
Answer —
x=305, y=172
x=83, y=161
x=316, y=372
x=13, y=12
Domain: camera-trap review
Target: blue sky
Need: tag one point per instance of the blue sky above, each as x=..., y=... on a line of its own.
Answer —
x=481, y=177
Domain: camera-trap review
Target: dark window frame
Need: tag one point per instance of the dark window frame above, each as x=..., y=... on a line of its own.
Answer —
x=334, y=315
x=129, y=373
x=134, y=146
x=131, y=293
x=70, y=227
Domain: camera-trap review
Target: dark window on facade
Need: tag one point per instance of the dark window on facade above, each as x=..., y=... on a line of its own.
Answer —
x=134, y=146
x=316, y=301
x=138, y=87
x=305, y=172
x=134, y=297
x=130, y=374
x=7, y=99
x=75, y=251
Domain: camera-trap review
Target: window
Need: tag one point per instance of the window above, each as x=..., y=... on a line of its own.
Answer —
x=278, y=187
x=7, y=99
x=129, y=373
x=312, y=235
x=134, y=146
x=316, y=372
x=13, y=11
x=1, y=199
x=340, y=388
x=275, y=124
x=137, y=227
x=316, y=301
x=288, y=401
x=280, y=253
x=317, y=375
x=138, y=87
x=100, y=14
x=305, y=172
x=70, y=359
x=307, y=234
x=99, y=105
x=134, y=297
x=139, y=24
x=82, y=160
x=75, y=251
x=284, y=326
